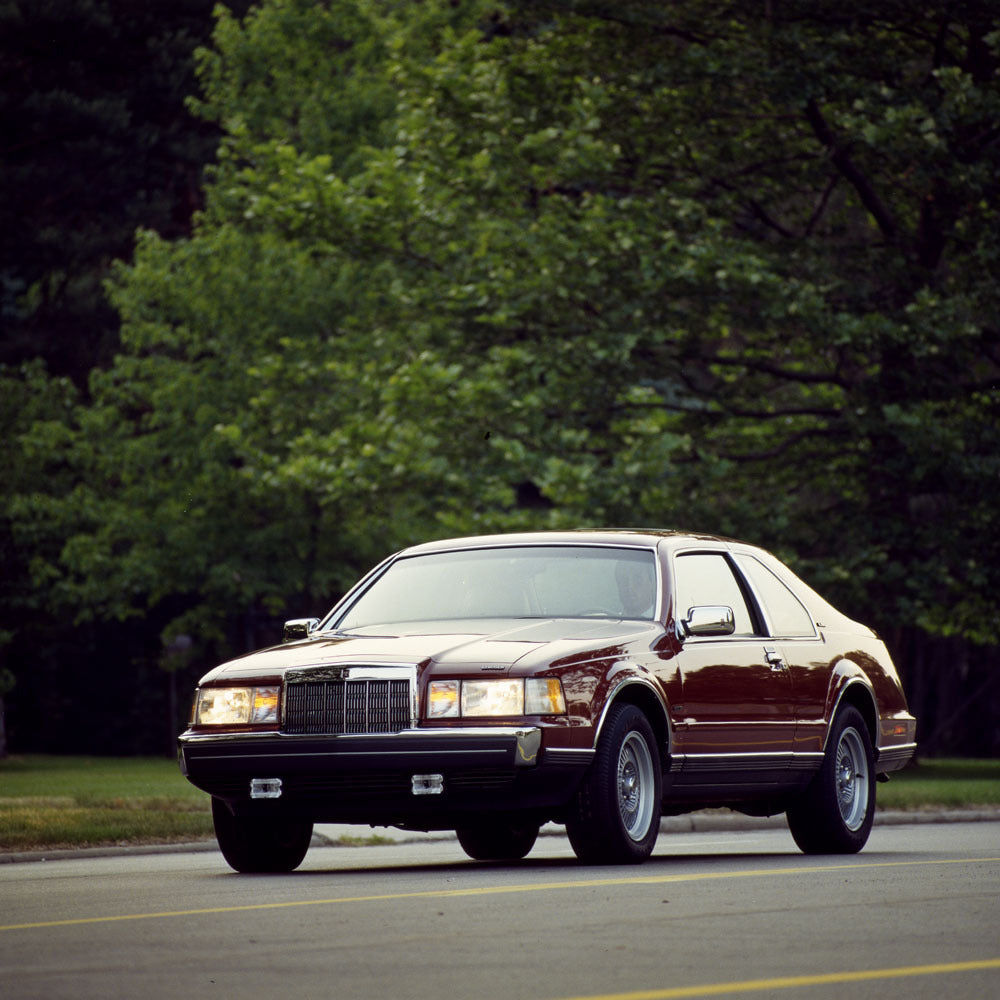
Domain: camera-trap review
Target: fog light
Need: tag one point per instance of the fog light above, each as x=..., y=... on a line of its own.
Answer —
x=265, y=788
x=428, y=784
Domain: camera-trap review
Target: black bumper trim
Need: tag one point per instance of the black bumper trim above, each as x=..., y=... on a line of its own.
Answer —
x=514, y=746
x=370, y=779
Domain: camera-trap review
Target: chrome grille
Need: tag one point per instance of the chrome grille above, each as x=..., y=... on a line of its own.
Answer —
x=347, y=706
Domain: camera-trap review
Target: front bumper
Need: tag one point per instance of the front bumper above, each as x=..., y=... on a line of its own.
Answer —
x=425, y=778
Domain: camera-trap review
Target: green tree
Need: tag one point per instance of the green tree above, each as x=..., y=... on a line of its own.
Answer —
x=96, y=141
x=694, y=263
x=28, y=398
x=197, y=499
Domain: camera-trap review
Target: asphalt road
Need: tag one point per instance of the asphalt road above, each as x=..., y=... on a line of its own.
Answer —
x=917, y=914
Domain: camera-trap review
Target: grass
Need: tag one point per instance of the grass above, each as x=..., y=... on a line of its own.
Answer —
x=53, y=802
x=90, y=801
x=953, y=784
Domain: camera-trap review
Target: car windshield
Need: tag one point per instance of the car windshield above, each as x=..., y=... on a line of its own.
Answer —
x=566, y=581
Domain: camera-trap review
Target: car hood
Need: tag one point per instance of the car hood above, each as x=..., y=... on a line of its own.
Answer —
x=501, y=644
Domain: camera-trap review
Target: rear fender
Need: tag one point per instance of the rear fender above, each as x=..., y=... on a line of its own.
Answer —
x=850, y=686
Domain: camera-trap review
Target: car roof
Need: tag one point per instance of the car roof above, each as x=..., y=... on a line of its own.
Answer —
x=650, y=538
x=636, y=537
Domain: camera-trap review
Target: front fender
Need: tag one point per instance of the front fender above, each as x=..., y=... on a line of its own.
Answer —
x=638, y=687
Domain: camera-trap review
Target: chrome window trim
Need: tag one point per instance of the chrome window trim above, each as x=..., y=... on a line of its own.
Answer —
x=762, y=607
x=817, y=639
x=338, y=611
x=725, y=551
x=734, y=555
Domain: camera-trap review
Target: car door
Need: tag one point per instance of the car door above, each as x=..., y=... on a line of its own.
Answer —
x=798, y=640
x=736, y=721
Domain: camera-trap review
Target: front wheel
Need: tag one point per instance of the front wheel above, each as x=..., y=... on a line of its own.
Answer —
x=834, y=815
x=260, y=843
x=498, y=839
x=615, y=816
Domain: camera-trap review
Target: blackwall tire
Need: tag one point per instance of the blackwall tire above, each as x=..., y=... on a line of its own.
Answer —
x=499, y=838
x=260, y=843
x=615, y=816
x=834, y=815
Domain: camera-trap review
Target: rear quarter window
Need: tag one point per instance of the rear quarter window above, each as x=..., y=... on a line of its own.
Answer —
x=785, y=613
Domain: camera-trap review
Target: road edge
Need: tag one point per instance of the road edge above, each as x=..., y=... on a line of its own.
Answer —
x=333, y=835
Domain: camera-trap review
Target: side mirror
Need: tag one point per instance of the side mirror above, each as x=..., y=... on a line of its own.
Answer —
x=709, y=620
x=298, y=628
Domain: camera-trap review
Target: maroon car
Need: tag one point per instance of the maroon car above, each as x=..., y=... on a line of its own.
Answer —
x=598, y=679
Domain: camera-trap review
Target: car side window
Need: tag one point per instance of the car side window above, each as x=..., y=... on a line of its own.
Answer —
x=706, y=578
x=785, y=613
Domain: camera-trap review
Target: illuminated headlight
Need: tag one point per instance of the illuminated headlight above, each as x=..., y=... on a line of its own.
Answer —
x=234, y=706
x=495, y=697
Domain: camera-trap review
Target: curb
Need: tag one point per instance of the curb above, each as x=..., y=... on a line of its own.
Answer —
x=334, y=835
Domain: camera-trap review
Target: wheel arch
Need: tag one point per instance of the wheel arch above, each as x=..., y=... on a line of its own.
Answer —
x=641, y=693
x=859, y=695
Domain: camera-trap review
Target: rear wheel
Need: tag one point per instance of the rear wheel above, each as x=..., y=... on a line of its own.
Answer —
x=260, y=843
x=615, y=817
x=501, y=838
x=835, y=813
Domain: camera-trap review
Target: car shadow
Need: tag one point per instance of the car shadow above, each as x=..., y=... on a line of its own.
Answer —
x=659, y=864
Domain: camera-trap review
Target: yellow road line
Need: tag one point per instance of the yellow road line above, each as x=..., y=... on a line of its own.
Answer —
x=499, y=890
x=796, y=982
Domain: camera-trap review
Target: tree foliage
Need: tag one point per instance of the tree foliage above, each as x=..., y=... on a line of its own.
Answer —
x=96, y=141
x=488, y=266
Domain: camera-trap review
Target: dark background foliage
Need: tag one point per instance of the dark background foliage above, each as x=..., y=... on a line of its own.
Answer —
x=289, y=286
